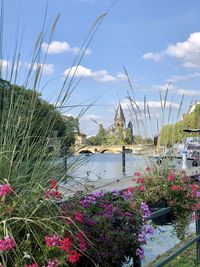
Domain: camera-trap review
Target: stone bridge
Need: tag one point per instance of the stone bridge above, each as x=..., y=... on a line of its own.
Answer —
x=113, y=149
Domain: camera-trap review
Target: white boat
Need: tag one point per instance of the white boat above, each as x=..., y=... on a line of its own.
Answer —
x=188, y=148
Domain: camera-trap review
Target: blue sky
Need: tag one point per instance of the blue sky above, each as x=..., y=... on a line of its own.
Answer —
x=158, y=42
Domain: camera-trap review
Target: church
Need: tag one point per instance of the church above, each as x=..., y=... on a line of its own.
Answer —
x=119, y=130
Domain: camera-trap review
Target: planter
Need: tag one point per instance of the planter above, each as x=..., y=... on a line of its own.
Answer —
x=85, y=262
x=163, y=219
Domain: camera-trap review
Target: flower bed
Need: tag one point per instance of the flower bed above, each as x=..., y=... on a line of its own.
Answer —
x=98, y=229
x=115, y=228
x=173, y=189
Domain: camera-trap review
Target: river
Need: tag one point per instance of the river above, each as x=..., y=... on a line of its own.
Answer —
x=105, y=166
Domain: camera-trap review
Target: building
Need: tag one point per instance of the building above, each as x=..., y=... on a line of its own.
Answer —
x=192, y=107
x=119, y=130
x=80, y=139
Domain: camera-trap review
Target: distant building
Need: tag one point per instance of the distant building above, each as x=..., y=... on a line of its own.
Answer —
x=119, y=126
x=192, y=107
x=80, y=139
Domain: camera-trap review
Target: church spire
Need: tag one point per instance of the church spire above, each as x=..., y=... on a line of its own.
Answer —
x=119, y=119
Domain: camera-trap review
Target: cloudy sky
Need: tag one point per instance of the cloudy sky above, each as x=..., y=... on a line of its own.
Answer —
x=158, y=42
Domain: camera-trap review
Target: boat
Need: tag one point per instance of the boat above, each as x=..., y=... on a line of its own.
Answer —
x=188, y=149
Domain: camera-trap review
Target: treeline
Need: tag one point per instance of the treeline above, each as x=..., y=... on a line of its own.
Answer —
x=173, y=133
x=121, y=137
x=34, y=114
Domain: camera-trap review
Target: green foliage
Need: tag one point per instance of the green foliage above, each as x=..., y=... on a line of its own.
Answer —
x=171, y=134
x=39, y=112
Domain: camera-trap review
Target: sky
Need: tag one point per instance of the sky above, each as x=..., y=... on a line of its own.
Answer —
x=156, y=42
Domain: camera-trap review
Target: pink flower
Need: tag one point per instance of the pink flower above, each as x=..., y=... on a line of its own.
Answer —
x=130, y=189
x=53, y=193
x=5, y=189
x=53, y=263
x=148, y=169
x=176, y=188
x=66, y=244
x=194, y=187
x=7, y=243
x=53, y=240
x=53, y=184
x=137, y=173
x=74, y=256
x=141, y=188
x=79, y=216
x=140, y=180
x=32, y=265
x=171, y=177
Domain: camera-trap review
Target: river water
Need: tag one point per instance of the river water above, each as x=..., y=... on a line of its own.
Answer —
x=106, y=166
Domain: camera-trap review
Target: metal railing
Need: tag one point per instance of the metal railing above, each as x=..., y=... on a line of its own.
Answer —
x=165, y=260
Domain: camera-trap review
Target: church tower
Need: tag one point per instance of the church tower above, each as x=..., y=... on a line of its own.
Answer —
x=119, y=120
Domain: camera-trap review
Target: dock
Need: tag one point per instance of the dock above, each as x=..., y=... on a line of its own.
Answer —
x=120, y=183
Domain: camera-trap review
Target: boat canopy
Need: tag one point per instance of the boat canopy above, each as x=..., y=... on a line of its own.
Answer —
x=192, y=130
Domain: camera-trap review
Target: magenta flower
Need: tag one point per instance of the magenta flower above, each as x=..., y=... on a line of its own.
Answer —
x=5, y=189
x=53, y=240
x=53, y=263
x=7, y=243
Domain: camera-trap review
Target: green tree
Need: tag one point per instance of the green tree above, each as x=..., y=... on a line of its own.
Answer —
x=39, y=112
x=102, y=135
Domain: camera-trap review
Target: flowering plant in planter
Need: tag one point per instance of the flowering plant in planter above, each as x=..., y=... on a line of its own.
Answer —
x=113, y=226
x=174, y=189
x=38, y=236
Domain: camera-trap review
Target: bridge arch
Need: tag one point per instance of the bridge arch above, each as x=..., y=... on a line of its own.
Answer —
x=85, y=151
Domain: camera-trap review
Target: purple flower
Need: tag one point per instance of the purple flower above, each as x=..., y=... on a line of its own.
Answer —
x=146, y=210
x=198, y=194
x=198, y=178
x=140, y=252
x=127, y=194
x=99, y=194
x=142, y=237
x=115, y=192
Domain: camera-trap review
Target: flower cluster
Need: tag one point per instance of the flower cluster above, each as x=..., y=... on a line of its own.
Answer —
x=172, y=189
x=52, y=192
x=5, y=189
x=7, y=243
x=67, y=245
x=110, y=222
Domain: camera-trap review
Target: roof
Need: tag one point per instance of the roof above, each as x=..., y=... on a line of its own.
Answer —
x=119, y=115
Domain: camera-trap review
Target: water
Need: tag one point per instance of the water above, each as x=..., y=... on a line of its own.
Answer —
x=107, y=166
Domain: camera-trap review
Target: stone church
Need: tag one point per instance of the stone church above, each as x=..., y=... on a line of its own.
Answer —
x=119, y=126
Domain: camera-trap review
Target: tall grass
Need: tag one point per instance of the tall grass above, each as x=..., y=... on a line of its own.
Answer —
x=25, y=163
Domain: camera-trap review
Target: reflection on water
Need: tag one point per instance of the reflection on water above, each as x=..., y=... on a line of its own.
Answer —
x=107, y=166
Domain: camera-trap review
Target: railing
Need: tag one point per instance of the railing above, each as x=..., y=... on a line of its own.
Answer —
x=165, y=260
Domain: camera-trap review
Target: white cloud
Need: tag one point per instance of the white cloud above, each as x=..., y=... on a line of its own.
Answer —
x=47, y=69
x=177, y=78
x=100, y=75
x=7, y=65
x=188, y=52
x=188, y=92
x=57, y=47
x=152, y=56
x=4, y=64
x=164, y=87
x=90, y=117
x=151, y=104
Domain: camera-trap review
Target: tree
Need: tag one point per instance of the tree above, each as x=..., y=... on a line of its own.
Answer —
x=101, y=136
x=34, y=114
x=171, y=134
